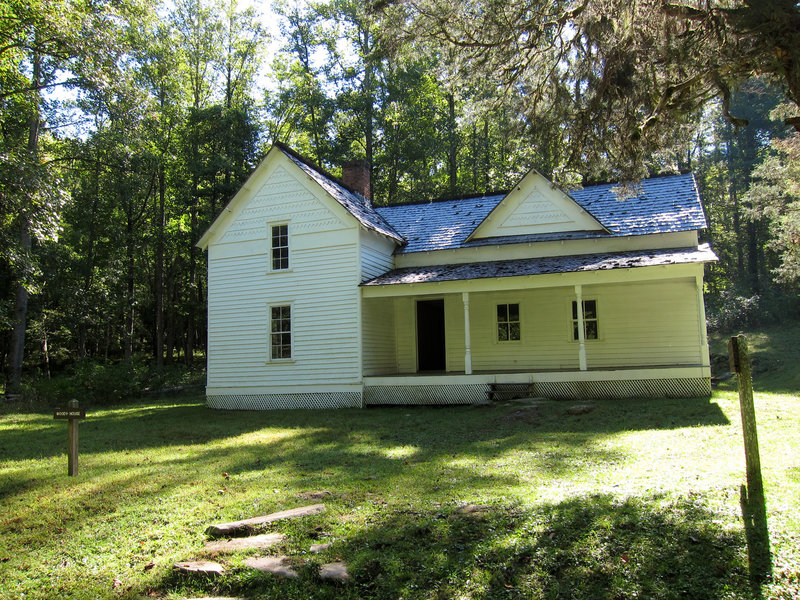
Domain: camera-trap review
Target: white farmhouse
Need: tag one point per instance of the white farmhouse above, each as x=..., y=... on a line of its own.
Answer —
x=317, y=299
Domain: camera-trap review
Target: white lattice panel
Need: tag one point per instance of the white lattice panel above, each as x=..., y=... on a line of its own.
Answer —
x=285, y=401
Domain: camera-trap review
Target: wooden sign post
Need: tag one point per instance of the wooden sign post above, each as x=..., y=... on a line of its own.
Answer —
x=754, y=506
x=73, y=413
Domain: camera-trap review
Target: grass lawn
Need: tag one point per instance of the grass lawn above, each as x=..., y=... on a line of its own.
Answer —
x=637, y=499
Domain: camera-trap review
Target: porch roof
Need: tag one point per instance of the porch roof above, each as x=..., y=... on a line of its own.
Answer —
x=542, y=266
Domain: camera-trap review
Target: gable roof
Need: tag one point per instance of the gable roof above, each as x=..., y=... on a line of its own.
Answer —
x=439, y=225
x=352, y=201
x=661, y=205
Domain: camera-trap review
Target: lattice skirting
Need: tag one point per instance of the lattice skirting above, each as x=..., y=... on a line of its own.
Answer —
x=693, y=387
x=285, y=401
x=425, y=394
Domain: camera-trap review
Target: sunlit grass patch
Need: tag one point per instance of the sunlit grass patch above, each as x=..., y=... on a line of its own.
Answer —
x=639, y=498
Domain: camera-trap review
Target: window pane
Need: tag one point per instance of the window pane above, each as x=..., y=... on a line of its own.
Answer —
x=591, y=330
x=575, y=330
x=502, y=313
x=502, y=332
x=285, y=312
x=514, y=331
x=590, y=309
x=574, y=309
x=513, y=312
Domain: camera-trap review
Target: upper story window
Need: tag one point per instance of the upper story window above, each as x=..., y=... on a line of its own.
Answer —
x=279, y=247
x=589, y=320
x=508, y=324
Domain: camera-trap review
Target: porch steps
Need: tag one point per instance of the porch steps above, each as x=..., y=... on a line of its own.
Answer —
x=507, y=391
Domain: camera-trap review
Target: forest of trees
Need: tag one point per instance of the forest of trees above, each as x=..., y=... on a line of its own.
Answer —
x=126, y=126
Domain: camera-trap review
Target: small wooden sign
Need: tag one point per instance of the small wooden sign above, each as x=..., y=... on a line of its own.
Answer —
x=72, y=413
x=69, y=413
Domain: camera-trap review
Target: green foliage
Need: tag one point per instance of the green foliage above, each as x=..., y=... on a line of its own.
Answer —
x=100, y=383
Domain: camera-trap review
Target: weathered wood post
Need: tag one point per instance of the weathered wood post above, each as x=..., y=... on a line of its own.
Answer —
x=754, y=508
x=73, y=413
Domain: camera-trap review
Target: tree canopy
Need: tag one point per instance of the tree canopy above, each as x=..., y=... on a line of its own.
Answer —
x=620, y=75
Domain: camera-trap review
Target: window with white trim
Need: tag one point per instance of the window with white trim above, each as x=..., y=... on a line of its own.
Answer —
x=508, y=324
x=279, y=247
x=280, y=336
x=589, y=320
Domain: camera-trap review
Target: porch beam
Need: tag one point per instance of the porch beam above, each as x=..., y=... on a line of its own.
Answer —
x=581, y=332
x=467, y=340
x=549, y=280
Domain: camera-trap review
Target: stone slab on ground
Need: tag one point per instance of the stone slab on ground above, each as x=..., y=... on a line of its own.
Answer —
x=204, y=567
x=277, y=565
x=473, y=509
x=318, y=495
x=265, y=540
x=316, y=548
x=336, y=571
x=237, y=526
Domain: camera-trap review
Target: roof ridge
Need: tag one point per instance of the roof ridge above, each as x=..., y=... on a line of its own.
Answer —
x=446, y=199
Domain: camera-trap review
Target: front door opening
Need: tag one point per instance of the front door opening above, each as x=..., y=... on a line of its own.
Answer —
x=430, y=335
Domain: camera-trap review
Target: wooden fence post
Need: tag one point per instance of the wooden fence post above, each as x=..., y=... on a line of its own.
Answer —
x=753, y=503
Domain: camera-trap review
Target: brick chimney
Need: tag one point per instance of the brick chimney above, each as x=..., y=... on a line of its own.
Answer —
x=355, y=175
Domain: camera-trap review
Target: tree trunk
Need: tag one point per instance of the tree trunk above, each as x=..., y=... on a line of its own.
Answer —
x=21, y=303
x=452, y=149
x=130, y=262
x=159, y=269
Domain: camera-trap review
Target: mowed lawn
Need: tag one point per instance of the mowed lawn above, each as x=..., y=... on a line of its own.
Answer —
x=636, y=499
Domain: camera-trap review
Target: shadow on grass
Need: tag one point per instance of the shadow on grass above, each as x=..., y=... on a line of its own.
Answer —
x=592, y=547
x=432, y=428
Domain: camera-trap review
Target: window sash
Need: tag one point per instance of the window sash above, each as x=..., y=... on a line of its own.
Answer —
x=590, y=320
x=279, y=247
x=280, y=337
x=508, y=323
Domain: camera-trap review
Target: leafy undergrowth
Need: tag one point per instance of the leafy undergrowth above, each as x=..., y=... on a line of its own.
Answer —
x=637, y=499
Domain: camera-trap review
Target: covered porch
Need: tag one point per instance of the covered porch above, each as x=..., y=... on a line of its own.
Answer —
x=617, y=332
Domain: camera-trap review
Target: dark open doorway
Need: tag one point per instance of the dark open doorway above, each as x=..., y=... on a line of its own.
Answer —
x=430, y=335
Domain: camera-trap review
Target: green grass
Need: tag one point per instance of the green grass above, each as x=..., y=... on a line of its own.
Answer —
x=637, y=499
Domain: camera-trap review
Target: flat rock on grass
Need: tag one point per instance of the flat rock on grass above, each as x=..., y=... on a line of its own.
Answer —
x=336, y=571
x=316, y=548
x=473, y=509
x=199, y=566
x=265, y=540
x=318, y=495
x=277, y=565
x=237, y=526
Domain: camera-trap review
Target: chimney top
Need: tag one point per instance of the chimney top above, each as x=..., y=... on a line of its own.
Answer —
x=355, y=175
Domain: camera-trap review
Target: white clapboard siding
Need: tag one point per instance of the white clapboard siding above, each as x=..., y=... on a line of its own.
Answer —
x=378, y=333
x=321, y=286
x=376, y=254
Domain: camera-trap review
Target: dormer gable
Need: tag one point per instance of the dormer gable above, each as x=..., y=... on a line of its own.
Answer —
x=535, y=206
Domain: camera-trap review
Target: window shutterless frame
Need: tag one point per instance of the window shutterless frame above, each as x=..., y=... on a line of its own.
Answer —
x=591, y=328
x=279, y=345
x=509, y=324
x=278, y=246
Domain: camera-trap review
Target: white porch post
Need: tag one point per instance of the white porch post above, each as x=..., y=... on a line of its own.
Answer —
x=701, y=310
x=467, y=341
x=581, y=332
